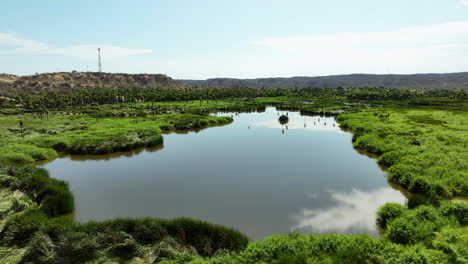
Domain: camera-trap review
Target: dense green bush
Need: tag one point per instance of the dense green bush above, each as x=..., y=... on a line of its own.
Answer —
x=389, y=212
x=421, y=223
x=391, y=158
x=453, y=242
x=457, y=209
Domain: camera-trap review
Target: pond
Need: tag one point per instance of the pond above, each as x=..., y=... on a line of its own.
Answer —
x=255, y=175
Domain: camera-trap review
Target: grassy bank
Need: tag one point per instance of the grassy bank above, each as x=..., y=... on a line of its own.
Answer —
x=41, y=139
x=426, y=150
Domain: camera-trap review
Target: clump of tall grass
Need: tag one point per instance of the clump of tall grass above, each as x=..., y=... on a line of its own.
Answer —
x=62, y=240
x=206, y=238
x=24, y=153
x=53, y=196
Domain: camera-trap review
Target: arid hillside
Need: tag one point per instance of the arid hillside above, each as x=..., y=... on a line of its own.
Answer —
x=65, y=81
x=415, y=81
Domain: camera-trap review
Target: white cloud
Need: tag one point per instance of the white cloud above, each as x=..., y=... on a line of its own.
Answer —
x=14, y=44
x=11, y=44
x=440, y=47
x=463, y=2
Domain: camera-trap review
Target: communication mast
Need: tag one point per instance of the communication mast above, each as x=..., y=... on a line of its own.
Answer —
x=99, y=60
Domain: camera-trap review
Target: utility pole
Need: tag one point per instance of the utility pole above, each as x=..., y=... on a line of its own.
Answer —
x=99, y=60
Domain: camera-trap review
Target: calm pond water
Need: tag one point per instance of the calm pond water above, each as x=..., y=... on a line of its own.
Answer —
x=248, y=175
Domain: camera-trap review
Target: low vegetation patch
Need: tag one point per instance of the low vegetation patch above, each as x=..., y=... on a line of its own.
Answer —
x=425, y=150
x=85, y=135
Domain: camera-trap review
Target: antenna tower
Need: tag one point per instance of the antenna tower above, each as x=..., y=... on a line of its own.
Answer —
x=99, y=60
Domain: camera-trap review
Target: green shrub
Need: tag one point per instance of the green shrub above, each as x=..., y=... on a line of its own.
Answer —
x=457, y=209
x=417, y=225
x=420, y=185
x=453, y=242
x=401, y=175
x=292, y=259
x=389, y=212
x=390, y=158
x=403, y=231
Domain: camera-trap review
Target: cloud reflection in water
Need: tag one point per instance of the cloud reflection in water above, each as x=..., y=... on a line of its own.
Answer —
x=304, y=122
x=353, y=212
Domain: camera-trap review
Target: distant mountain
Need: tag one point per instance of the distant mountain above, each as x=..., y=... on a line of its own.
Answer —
x=444, y=80
x=64, y=81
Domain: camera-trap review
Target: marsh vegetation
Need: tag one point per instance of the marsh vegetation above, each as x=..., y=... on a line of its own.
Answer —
x=300, y=164
x=419, y=136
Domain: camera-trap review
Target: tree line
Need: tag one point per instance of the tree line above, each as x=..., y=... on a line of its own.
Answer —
x=55, y=99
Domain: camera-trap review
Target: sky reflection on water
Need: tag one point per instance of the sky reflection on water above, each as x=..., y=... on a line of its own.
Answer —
x=352, y=212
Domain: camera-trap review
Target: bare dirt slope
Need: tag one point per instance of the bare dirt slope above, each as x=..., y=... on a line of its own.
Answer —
x=65, y=81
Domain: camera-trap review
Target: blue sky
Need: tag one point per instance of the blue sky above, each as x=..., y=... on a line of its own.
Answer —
x=244, y=39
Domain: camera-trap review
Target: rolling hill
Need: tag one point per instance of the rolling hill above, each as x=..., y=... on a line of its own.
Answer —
x=444, y=80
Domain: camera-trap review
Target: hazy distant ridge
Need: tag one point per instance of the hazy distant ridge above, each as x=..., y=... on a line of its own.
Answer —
x=444, y=80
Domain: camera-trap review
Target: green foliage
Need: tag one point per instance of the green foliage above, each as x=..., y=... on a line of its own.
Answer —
x=53, y=196
x=421, y=224
x=21, y=228
x=206, y=238
x=425, y=149
x=391, y=158
x=24, y=153
x=457, y=209
x=453, y=242
x=84, y=135
x=389, y=212
x=324, y=249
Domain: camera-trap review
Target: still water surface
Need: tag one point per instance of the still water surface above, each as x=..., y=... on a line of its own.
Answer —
x=255, y=175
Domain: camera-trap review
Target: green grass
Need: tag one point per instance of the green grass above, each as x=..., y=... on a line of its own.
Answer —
x=61, y=239
x=86, y=135
x=421, y=224
x=426, y=150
